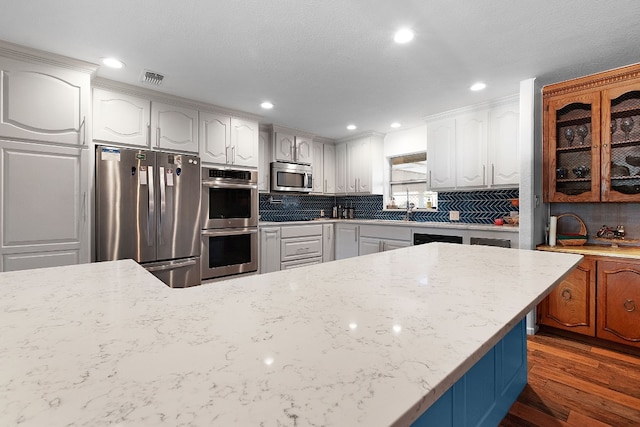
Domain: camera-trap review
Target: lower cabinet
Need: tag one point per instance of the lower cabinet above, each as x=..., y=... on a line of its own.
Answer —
x=347, y=236
x=600, y=298
x=269, y=249
x=572, y=304
x=300, y=246
x=381, y=238
x=619, y=302
x=45, y=214
x=328, y=243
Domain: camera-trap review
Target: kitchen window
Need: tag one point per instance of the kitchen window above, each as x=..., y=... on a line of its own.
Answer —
x=408, y=181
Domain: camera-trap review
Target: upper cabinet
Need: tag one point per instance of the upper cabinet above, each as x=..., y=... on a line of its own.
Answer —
x=475, y=147
x=592, y=138
x=120, y=118
x=264, y=156
x=43, y=102
x=292, y=146
x=174, y=127
x=359, y=164
x=245, y=135
x=324, y=169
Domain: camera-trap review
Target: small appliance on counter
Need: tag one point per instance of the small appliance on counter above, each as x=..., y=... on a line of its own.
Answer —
x=147, y=210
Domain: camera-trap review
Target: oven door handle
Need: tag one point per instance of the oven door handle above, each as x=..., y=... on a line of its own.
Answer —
x=229, y=185
x=229, y=232
x=170, y=265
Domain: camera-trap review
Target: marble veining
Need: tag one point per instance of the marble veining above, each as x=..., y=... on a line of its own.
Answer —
x=371, y=340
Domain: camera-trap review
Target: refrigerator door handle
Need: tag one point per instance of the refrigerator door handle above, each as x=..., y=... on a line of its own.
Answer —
x=163, y=203
x=151, y=206
x=172, y=265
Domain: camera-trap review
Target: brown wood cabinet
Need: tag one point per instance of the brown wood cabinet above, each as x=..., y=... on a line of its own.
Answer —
x=592, y=138
x=572, y=304
x=619, y=301
x=600, y=298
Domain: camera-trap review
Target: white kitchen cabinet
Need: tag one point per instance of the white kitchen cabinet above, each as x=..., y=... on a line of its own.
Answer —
x=318, y=167
x=244, y=142
x=269, y=249
x=341, y=168
x=215, y=138
x=363, y=167
x=380, y=238
x=290, y=147
x=264, y=167
x=475, y=147
x=347, y=240
x=300, y=245
x=174, y=128
x=43, y=102
x=288, y=265
x=328, y=243
x=441, y=144
x=228, y=140
x=329, y=168
x=471, y=149
x=324, y=169
x=504, y=148
x=44, y=191
x=120, y=118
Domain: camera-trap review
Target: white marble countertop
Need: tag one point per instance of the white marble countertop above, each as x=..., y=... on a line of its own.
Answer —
x=371, y=340
x=413, y=224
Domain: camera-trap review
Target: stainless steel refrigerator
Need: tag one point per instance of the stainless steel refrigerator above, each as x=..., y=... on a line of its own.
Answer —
x=148, y=209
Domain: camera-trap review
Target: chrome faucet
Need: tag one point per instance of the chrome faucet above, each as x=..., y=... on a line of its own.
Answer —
x=410, y=206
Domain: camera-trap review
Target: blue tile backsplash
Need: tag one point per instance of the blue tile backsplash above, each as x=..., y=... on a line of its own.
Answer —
x=477, y=207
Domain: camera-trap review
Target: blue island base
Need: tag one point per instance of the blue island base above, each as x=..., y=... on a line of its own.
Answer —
x=483, y=396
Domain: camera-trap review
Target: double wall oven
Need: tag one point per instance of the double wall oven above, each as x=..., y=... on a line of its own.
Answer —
x=229, y=222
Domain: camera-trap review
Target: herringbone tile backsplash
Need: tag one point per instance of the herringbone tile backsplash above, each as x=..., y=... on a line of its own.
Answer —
x=478, y=207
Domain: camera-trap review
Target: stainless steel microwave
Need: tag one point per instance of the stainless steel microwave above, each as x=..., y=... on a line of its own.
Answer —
x=291, y=177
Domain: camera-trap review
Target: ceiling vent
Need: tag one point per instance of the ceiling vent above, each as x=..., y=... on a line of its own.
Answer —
x=151, y=78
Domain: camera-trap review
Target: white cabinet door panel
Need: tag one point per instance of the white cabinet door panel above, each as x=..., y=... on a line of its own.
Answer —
x=283, y=147
x=264, y=166
x=44, y=199
x=504, y=146
x=300, y=247
x=341, y=168
x=269, y=249
x=174, y=128
x=43, y=103
x=244, y=142
x=471, y=148
x=318, y=168
x=120, y=118
x=368, y=246
x=27, y=261
x=441, y=140
x=303, y=150
x=329, y=165
x=215, y=138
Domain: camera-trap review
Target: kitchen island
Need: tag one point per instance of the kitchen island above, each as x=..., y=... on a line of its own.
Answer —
x=373, y=340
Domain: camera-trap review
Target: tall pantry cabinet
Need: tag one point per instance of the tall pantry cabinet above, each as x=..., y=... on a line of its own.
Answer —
x=44, y=156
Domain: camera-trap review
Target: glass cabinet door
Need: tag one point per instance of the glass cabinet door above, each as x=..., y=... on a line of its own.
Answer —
x=621, y=143
x=574, y=148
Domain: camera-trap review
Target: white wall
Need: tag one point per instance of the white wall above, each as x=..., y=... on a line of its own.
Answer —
x=402, y=142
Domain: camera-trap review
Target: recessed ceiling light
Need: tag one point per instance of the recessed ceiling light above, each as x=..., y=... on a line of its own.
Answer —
x=478, y=86
x=395, y=125
x=403, y=35
x=352, y=127
x=112, y=62
x=266, y=105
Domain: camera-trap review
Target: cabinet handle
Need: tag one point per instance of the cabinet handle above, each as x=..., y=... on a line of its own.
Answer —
x=604, y=145
x=149, y=133
x=233, y=155
x=325, y=186
x=226, y=155
x=83, y=125
x=493, y=174
x=429, y=179
x=300, y=250
x=158, y=136
x=566, y=295
x=484, y=174
x=629, y=305
x=84, y=207
x=356, y=233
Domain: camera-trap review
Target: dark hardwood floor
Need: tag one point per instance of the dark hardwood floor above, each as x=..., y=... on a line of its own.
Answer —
x=575, y=384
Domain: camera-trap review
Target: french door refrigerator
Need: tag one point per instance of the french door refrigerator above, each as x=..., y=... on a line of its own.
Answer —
x=148, y=209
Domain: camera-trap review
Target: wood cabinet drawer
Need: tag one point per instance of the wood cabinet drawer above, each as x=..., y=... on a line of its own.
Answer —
x=300, y=247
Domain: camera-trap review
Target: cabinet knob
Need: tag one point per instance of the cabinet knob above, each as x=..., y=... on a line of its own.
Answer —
x=629, y=305
x=566, y=295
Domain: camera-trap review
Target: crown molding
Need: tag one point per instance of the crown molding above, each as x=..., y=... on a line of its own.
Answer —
x=23, y=53
x=475, y=107
x=593, y=81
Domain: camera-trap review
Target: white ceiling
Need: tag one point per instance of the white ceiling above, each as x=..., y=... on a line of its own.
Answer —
x=327, y=63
